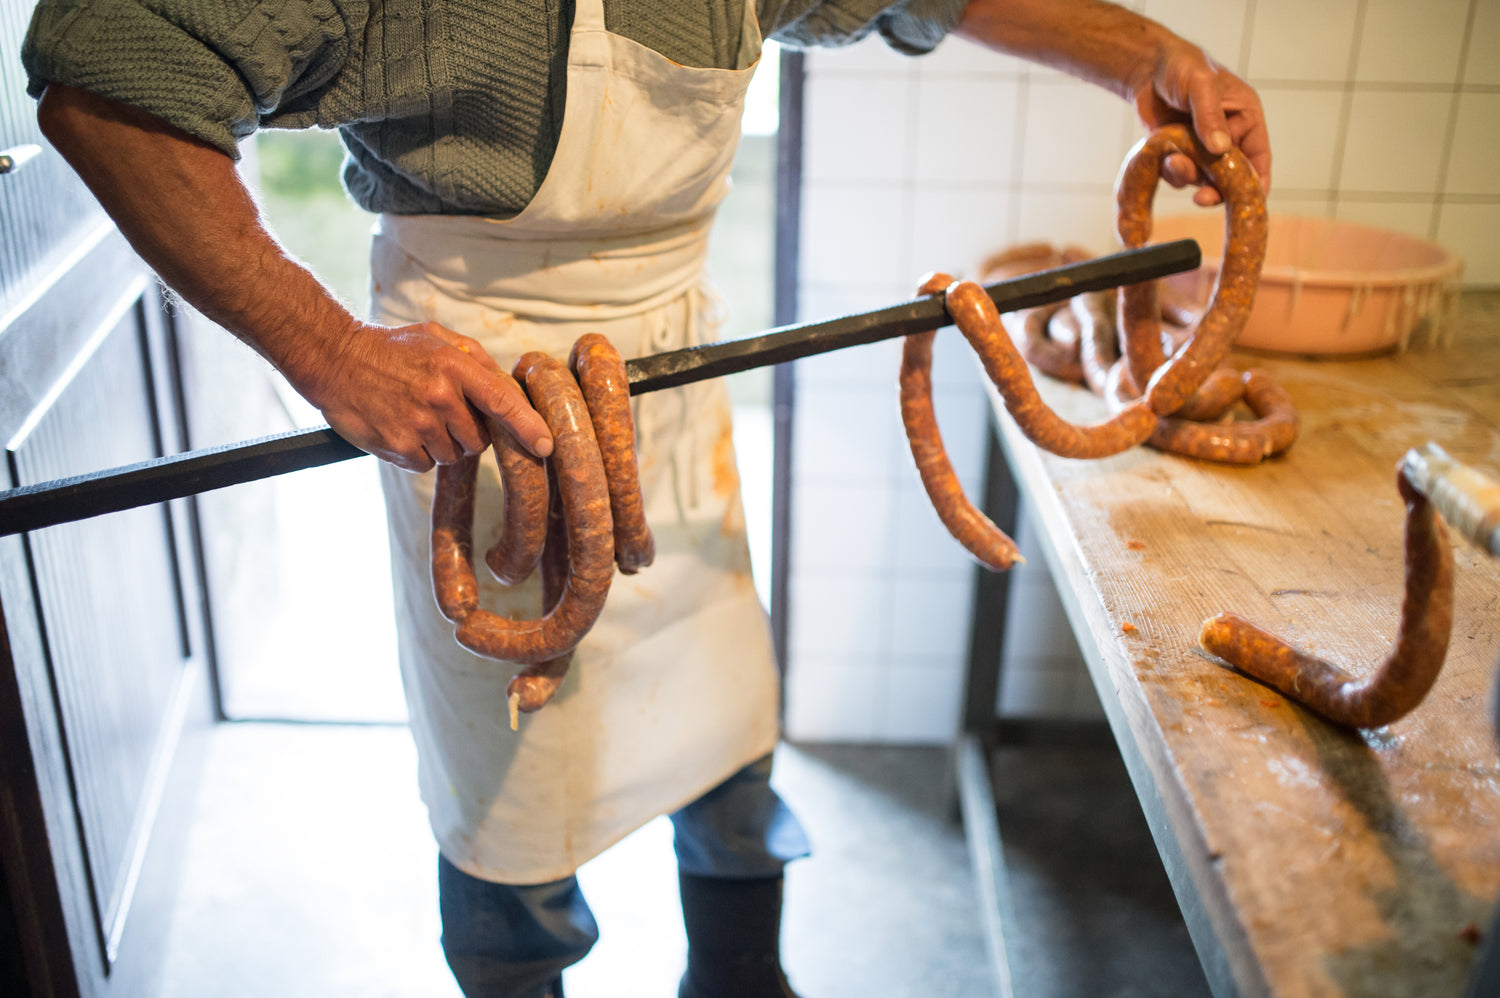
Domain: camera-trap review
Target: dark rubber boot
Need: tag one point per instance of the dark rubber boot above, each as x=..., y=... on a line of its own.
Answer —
x=734, y=938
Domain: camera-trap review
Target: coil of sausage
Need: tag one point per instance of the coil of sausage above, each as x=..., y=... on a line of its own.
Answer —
x=1047, y=354
x=1168, y=384
x=1216, y=396
x=584, y=495
x=1244, y=442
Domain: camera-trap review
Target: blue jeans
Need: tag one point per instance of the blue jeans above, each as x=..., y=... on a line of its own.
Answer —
x=504, y=941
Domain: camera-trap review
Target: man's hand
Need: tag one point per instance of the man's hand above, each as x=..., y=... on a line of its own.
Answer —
x=1187, y=85
x=415, y=395
x=1169, y=79
x=412, y=395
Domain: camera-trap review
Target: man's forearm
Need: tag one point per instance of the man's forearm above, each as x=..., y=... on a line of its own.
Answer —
x=1099, y=42
x=183, y=207
x=1165, y=76
x=408, y=394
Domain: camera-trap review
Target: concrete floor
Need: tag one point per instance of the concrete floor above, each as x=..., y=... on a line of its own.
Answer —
x=1096, y=911
x=310, y=872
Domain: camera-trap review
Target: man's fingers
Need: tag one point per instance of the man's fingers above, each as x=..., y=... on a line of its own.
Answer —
x=1179, y=170
x=1256, y=145
x=409, y=456
x=468, y=431
x=499, y=396
x=1206, y=104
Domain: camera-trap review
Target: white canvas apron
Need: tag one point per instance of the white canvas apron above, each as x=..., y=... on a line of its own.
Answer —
x=675, y=688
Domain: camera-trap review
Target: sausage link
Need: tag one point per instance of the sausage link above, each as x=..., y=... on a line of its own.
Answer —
x=1014, y=261
x=1239, y=274
x=585, y=500
x=1230, y=443
x=1046, y=354
x=1176, y=313
x=971, y=528
x=1409, y=670
x=1140, y=334
x=1063, y=327
x=453, y=581
x=523, y=478
x=1097, y=347
x=1216, y=396
x=534, y=686
x=1273, y=408
x=975, y=315
x=606, y=389
x=1247, y=442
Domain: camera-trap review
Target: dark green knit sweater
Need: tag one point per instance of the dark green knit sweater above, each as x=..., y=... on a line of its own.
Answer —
x=444, y=105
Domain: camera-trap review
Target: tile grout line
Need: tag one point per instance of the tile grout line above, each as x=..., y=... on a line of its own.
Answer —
x=1445, y=161
x=1017, y=159
x=1246, y=38
x=1345, y=110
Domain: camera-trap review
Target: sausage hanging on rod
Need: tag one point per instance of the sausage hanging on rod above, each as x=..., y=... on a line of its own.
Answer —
x=975, y=315
x=606, y=389
x=1408, y=671
x=1033, y=327
x=1171, y=383
x=991, y=546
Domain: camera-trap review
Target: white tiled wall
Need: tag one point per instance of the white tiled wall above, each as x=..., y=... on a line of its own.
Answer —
x=1381, y=111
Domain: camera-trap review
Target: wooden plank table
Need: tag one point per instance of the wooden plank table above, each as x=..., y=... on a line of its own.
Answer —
x=1309, y=860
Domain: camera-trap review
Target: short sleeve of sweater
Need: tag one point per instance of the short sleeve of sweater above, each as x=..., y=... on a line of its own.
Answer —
x=214, y=68
x=913, y=27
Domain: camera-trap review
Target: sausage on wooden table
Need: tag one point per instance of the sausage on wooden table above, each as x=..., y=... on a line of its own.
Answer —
x=1408, y=671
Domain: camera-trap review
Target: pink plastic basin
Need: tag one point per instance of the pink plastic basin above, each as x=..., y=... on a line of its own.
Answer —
x=1329, y=287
